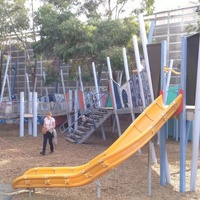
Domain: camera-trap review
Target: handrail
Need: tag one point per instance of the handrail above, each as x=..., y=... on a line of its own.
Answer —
x=84, y=113
x=172, y=70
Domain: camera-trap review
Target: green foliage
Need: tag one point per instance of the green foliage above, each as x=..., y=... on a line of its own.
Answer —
x=13, y=19
x=148, y=6
x=79, y=42
x=52, y=73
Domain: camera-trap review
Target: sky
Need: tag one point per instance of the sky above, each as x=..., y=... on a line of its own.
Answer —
x=164, y=5
x=160, y=5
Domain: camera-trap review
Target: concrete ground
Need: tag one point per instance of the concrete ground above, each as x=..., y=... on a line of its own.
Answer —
x=6, y=191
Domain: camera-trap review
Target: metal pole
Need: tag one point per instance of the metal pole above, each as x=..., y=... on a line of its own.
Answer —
x=111, y=88
x=35, y=114
x=21, y=132
x=182, y=115
x=96, y=84
x=128, y=83
x=138, y=63
x=4, y=79
x=30, y=111
x=196, y=132
x=144, y=45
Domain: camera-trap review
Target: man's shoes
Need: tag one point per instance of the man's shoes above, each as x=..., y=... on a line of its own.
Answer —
x=51, y=151
x=42, y=153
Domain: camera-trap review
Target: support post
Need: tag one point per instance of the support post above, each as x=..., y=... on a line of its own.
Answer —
x=75, y=109
x=4, y=79
x=98, y=189
x=21, y=114
x=34, y=114
x=196, y=132
x=182, y=119
x=30, y=111
x=113, y=96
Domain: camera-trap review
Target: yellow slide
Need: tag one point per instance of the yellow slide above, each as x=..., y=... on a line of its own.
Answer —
x=134, y=137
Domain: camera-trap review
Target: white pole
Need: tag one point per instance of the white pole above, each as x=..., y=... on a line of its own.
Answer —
x=35, y=84
x=21, y=128
x=113, y=95
x=28, y=84
x=111, y=84
x=196, y=130
x=82, y=88
x=96, y=84
x=63, y=83
x=144, y=45
x=46, y=90
x=9, y=91
x=127, y=80
x=35, y=114
x=30, y=111
x=70, y=102
x=169, y=77
x=4, y=79
x=75, y=109
x=138, y=63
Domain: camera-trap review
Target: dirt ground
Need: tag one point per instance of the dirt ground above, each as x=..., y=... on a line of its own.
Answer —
x=128, y=181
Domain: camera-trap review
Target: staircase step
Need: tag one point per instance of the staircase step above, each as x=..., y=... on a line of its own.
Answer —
x=77, y=136
x=104, y=110
x=90, y=124
x=97, y=116
x=97, y=112
x=83, y=128
x=79, y=132
x=90, y=120
x=70, y=139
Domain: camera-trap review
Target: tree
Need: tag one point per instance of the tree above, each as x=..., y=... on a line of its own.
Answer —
x=81, y=42
x=13, y=21
x=104, y=9
x=194, y=28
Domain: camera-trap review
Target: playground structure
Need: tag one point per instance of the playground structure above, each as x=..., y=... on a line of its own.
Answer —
x=88, y=113
x=153, y=118
x=114, y=155
x=9, y=107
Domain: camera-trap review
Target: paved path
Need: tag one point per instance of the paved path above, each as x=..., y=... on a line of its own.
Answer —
x=6, y=191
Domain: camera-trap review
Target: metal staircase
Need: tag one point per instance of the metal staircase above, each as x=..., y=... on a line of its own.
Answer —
x=88, y=122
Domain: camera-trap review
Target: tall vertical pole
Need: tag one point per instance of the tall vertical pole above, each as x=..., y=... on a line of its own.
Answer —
x=21, y=131
x=96, y=84
x=34, y=114
x=98, y=96
x=150, y=36
x=111, y=87
x=165, y=175
x=82, y=88
x=30, y=111
x=14, y=80
x=4, y=79
x=146, y=57
x=63, y=83
x=196, y=132
x=9, y=90
x=182, y=115
x=128, y=83
x=75, y=109
x=28, y=83
x=138, y=63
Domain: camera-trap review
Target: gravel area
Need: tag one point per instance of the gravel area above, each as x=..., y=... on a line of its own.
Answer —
x=128, y=181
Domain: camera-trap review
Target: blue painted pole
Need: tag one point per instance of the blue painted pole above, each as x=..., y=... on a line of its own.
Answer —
x=162, y=130
x=14, y=80
x=182, y=115
x=150, y=36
